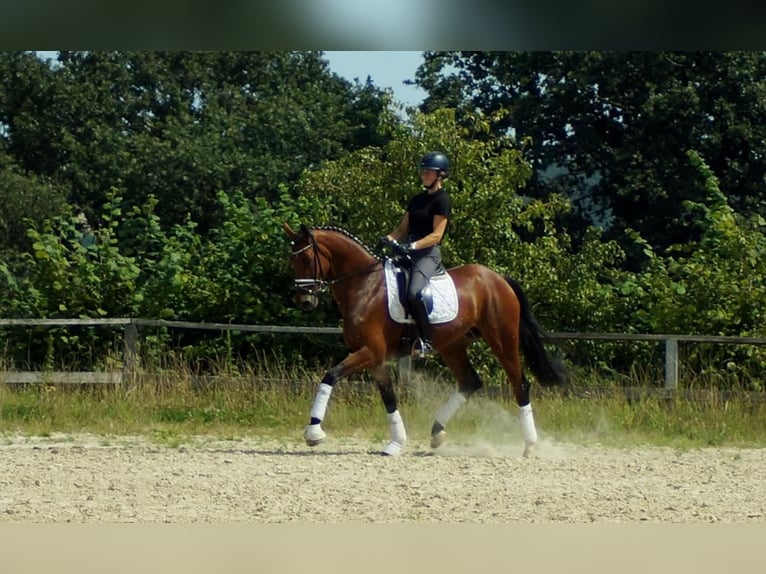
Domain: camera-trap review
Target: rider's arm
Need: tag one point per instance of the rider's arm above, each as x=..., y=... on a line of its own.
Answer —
x=440, y=226
x=401, y=231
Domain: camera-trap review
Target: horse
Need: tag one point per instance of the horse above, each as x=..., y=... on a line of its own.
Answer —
x=490, y=306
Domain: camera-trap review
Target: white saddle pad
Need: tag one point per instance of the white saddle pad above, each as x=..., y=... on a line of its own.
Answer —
x=442, y=289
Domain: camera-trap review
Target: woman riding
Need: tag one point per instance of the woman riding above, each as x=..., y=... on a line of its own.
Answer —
x=420, y=233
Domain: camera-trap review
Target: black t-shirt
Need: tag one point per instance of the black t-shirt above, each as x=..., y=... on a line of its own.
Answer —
x=422, y=209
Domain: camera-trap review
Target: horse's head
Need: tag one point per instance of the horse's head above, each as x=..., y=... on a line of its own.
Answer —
x=310, y=266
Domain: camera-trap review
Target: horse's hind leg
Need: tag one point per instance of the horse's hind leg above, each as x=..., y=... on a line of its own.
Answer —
x=456, y=358
x=526, y=417
x=506, y=349
x=382, y=377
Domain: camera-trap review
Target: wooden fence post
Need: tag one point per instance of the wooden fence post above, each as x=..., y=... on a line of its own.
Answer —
x=130, y=340
x=671, y=363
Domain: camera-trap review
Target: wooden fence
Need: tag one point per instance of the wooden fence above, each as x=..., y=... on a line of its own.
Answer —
x=131, y=326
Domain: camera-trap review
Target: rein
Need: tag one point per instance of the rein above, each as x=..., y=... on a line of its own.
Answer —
x=319, y=284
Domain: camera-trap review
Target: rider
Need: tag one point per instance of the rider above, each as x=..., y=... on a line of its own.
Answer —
x=421, y=231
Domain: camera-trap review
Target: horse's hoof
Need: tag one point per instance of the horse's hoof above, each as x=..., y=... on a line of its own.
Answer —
x=314, y=435
x=438, y=439
x=529, y=450
x=393, y=448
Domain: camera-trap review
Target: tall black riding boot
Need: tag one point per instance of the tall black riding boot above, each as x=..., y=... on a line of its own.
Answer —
x=423, y=326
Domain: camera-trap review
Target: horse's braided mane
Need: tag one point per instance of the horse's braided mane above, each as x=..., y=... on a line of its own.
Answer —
x=349, y=235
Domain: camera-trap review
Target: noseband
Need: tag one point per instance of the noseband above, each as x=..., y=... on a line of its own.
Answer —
x=317, y=284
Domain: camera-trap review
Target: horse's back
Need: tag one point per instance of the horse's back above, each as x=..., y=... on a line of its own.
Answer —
x=486, y=301
x=472, y=272
x=480, y=286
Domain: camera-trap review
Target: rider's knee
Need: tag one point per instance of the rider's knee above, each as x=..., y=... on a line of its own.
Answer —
x=416, y=296
x=422, y=297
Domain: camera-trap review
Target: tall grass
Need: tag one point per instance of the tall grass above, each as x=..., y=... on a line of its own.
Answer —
x=635, y=409
x=271, y=399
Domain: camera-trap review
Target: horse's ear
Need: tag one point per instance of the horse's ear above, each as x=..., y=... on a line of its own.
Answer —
x=305, y=230
x=289, y=231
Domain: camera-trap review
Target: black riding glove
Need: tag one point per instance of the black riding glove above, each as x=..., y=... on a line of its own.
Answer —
x=402, y=249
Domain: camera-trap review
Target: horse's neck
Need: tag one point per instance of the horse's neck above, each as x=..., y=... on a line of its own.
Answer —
x=348, y=256
x=353, y=267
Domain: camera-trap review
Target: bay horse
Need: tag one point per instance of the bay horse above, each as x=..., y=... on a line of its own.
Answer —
x=490, y=306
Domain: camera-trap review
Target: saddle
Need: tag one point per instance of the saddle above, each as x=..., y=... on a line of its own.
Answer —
x=443, y=305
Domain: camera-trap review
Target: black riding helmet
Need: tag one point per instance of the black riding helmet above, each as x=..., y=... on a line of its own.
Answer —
x=436, y=161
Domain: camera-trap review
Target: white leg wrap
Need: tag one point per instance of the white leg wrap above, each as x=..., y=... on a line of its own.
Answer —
x=528, y=424
x=445, y=412
x=396, y=425
x=398, y=434
x=313, y=434
x=319, y=407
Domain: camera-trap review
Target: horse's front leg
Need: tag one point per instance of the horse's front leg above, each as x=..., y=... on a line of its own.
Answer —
x=356, y=361
x=382, y=377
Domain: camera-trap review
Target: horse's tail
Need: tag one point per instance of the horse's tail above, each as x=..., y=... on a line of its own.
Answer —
x=532, y=338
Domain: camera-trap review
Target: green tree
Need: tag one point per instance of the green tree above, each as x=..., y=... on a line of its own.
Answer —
x=611, y=129
x=23, y=198
x=366, y=192
x=180, y=126
x=715, y=285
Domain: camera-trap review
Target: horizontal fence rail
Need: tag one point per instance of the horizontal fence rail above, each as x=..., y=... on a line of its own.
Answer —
x=131, y=325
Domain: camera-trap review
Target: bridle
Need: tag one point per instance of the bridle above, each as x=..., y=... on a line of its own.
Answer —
x=320, y=283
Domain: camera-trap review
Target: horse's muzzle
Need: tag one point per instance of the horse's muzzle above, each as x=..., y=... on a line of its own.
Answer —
x=306, y=302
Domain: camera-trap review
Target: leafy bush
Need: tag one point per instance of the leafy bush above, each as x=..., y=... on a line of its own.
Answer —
x=129, y=266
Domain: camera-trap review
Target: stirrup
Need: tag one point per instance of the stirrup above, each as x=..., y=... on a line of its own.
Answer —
x=424, y=351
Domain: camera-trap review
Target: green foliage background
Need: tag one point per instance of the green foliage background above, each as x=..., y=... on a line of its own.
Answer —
x=186, y=165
